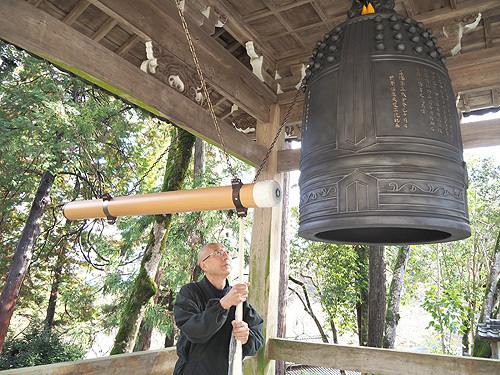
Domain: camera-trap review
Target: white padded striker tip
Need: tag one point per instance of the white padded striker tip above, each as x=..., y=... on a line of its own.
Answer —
x=267, y=193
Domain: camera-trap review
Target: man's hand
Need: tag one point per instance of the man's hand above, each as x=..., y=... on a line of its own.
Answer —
x=236, y=295
x=241, y=331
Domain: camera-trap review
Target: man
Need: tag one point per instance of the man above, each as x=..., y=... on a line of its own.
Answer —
x=205, y=312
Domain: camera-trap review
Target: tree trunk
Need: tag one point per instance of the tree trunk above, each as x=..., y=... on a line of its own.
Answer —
x=465, y=335
x=376, y=297
x=283, y=289
x=394, y=297
x=168, y=301
x=199, y=158
x=196, y=238
x=362, y=280
x=482, y=348
x=54, y=292
x=143, y=338
x=493, y=280
x=144, y=287
x=57, y=274
x=170, y=339
x=145, y=332
x=22, y=256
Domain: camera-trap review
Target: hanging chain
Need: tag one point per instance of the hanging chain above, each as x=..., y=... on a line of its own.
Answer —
x=210, y=106
x=285, y=119
x=204, y=86
x=68, y=114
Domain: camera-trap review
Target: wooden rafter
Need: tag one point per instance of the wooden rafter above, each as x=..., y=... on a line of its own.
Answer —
x=80, y=7
x=105, y=28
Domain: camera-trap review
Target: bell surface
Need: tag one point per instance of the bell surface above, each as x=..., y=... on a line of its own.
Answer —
x=381, y=159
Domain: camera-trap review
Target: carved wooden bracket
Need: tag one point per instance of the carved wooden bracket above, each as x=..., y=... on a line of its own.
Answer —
x=453, y=33
x=213, y=18
x=176, y=74
x=291, y=82
x=242, y=121
x=256, y=61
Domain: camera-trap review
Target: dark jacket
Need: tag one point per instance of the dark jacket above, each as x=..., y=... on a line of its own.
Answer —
x=203, y=345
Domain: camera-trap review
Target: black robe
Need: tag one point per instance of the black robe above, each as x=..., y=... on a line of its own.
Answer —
x=203, y=345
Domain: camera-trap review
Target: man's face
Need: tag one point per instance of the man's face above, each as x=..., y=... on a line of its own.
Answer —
x=216, y=261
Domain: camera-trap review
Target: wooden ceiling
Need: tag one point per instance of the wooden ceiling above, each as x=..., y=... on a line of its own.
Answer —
x=105, y=41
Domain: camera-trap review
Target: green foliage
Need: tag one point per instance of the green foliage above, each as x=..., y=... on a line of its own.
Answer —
x=94, y=143
x=482, y=348
x=160, y=317
x=456, y=273
x=446, y=309
x=332, y=271
x=38, y=346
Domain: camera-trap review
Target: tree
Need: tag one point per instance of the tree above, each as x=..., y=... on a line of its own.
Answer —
x=332, y=271
x=362, y=285
x=22, y=256
x=376, y=296
x=38, y=346
x=394, y=296
x=89, y=142
x=144, y=286
x=460, y=269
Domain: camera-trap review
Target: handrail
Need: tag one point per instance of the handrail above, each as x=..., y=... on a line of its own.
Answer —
x=375, y=360
x=345, y=357
x=151, y=362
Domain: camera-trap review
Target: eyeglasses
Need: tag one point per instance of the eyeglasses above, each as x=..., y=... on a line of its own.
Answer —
x=219, y=253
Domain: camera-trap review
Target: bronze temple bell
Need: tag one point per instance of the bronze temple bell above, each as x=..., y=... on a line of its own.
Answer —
x=381, y=160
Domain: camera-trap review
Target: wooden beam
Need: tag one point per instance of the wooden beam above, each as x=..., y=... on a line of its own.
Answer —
x=475, y=76
x=488, y=32
x=45, y=36
x=284, y=22
x=288, y=160
x=446, y=14
x=265, y=250
x=435, y=19
x=475, y=58
x=157, y=362
x=409, y=8
x=379, y=361
x=160, y=21
x=273, y=10
x=481, y=133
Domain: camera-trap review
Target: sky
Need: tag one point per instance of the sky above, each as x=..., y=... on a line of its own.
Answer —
x=483, y=152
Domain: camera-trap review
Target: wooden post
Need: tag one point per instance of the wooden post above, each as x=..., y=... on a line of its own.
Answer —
x=265, y=251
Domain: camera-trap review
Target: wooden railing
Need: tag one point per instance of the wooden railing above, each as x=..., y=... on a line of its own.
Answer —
x=151, y=362
x=378, y=361
x=354, y=358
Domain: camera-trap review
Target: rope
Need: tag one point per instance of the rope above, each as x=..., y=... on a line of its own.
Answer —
x=238, y=360
x=204, y=86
